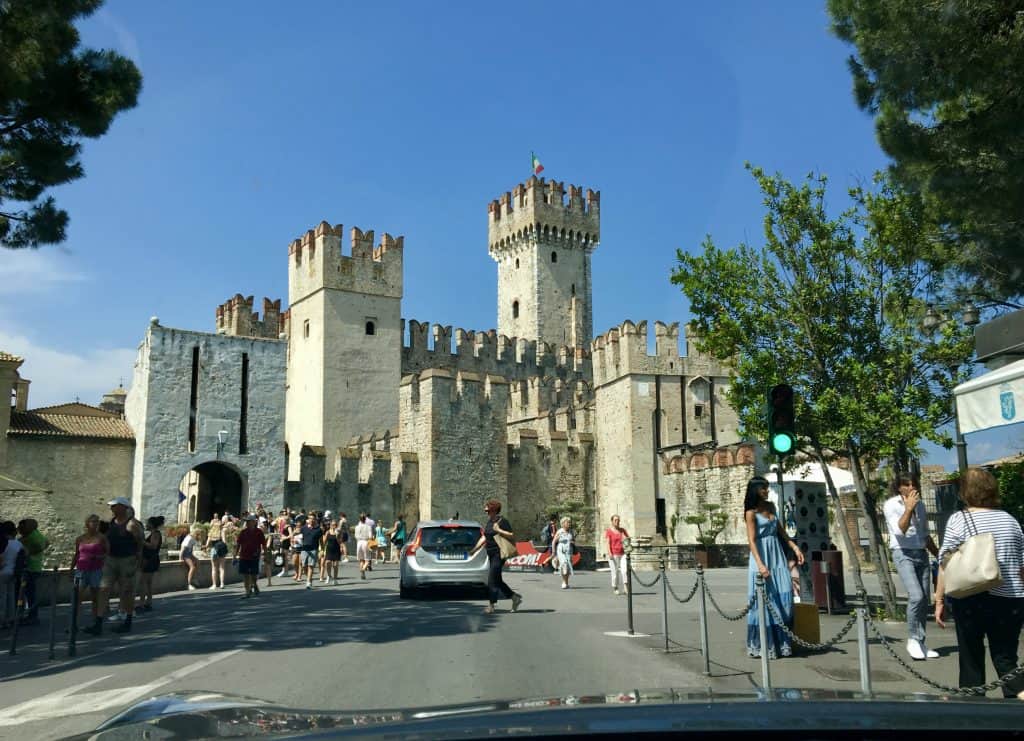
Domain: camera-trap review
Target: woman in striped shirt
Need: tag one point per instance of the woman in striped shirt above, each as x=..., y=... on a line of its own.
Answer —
x=997, y=614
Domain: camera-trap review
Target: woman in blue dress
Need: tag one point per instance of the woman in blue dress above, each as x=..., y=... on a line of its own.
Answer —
x=767, y=540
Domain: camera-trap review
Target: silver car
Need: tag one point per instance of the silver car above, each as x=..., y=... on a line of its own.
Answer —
x=437, y=553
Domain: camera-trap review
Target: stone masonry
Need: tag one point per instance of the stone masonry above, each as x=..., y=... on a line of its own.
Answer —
x=200, y=398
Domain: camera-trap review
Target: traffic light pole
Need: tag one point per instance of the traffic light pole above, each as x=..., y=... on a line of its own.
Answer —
x=782, y=493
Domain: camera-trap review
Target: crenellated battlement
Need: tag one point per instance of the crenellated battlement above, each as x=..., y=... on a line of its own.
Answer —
x=235, y=317
x=316, y=260
x=623, y=350
x=537, y=211
x=487, y=352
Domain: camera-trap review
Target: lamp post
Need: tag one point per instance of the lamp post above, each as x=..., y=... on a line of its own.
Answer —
x=934, y=319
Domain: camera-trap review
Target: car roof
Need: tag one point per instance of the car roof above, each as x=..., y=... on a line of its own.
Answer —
x=439, y=523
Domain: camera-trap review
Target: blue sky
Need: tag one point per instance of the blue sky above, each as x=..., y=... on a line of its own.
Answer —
x=256, y=122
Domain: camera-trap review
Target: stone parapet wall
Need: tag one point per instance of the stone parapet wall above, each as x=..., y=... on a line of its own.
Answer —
x=81, y=474
x=487, y=352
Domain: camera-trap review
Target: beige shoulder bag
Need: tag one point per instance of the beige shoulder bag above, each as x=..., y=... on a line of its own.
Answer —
x=972, y=568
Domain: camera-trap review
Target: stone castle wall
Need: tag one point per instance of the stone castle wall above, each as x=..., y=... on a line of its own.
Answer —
x=158, y=410
x=708, y=477
x=456, y=427
x=82, y=474
x=236, y=317
x=384, y=483
x=543, y=476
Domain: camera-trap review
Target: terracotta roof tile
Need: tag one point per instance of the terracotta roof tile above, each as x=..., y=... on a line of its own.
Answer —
x=74, y=409
x=49, y=424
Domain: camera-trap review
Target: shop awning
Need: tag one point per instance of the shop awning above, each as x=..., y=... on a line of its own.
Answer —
x=992, y=399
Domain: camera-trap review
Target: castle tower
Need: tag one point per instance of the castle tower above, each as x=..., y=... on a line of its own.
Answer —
x=344, y=339
x=542, y=246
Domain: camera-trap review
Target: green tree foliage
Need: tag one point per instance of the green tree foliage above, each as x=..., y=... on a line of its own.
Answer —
x=833, y=307
x=1011, y=489
x=52, y=94
x=710, y=522
x=945, y=82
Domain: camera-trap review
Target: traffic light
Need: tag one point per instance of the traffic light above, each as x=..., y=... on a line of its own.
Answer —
x=781, y=420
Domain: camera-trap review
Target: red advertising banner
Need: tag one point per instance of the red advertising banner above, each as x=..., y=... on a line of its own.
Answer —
x=530, y=558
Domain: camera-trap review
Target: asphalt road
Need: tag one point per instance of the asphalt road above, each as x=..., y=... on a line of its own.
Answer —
x=358, y=646
x=354, y=646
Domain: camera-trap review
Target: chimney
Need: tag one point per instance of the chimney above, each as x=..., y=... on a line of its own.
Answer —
x=21, y=394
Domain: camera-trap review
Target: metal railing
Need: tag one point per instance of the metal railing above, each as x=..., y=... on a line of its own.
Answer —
x=768, y=615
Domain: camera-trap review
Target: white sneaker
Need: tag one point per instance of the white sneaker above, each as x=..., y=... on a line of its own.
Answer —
x=915, y=649
x=345, y=560
x=191, y=587
x=565, y=586
x=930, y=652
x=212, y=587
x=615, y=591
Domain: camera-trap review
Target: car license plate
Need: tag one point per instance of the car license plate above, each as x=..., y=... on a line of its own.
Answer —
x=459, y=556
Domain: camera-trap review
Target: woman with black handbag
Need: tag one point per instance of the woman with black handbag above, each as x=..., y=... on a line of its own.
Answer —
x=995, y=609
x=498, y=540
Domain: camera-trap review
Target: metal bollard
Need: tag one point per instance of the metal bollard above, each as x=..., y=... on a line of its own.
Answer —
x=862, y=649
x=53, y=615
x=762, y=624
x=823, y=567
x=19, y=603
x=664, y=598
x=703, y=620
x=629, y=591
x=73, y=637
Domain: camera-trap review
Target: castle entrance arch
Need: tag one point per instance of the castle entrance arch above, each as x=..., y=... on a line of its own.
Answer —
x=210, y=488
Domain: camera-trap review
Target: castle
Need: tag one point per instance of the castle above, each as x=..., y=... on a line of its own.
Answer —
x=339, y=403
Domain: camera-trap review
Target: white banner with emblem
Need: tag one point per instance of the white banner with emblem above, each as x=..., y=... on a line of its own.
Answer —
x=991, y=400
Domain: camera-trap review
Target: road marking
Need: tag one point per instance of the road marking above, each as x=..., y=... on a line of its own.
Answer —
x=626, y=634
x=65, y=702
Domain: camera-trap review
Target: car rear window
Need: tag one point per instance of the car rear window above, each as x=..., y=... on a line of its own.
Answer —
x=449, y=537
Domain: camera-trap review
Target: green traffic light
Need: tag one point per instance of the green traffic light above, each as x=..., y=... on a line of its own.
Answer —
x=782, y=443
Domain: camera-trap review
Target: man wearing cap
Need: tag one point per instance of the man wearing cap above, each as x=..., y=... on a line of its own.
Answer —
x=125, y=556
x=247, y=551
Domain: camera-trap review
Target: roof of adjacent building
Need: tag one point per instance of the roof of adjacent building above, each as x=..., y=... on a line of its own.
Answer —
x=70, y=420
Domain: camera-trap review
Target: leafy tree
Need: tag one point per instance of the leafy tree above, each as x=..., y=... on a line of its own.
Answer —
x=710, y=522
x=833, y=306
x=52, y=94
x=1011, y=489
x=945, y=82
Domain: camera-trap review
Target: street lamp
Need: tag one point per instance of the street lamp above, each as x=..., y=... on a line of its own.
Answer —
x=932, y=320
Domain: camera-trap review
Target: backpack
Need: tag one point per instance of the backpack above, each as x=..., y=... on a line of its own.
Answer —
x=545, y=535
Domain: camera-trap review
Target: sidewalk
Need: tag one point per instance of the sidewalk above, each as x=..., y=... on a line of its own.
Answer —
x=838, y=668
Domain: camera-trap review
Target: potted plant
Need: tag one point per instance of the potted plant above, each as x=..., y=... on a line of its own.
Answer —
x=710, y=522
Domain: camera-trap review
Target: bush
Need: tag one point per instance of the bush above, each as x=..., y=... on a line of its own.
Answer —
x=1011, y=489
x=710, y=523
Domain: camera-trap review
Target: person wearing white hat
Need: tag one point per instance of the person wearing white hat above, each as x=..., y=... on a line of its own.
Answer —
x=123, y=560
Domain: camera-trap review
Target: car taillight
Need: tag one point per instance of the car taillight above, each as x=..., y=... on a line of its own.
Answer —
x=410, y=550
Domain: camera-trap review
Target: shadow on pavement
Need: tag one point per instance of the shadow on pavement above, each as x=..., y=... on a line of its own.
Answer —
x=203, y=622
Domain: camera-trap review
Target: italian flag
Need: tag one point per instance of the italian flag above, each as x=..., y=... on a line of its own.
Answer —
x=535, y=164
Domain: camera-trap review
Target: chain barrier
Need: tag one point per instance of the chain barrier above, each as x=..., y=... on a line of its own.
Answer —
x=824, y=646
x=738, y=616
x=980, y=690
x=676, y=597
x=638, y=580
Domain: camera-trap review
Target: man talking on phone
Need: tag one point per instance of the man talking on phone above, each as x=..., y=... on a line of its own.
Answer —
x=910, y=542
